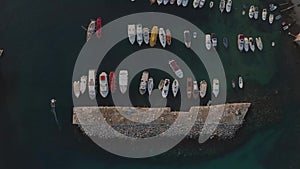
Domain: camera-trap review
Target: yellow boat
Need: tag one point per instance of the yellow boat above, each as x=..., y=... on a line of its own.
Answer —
x=153, y=38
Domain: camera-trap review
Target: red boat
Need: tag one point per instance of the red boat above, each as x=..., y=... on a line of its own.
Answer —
x=98, y=27
x=112, y=82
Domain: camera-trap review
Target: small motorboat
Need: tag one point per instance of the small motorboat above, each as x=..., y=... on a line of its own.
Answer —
x=159, y=2
x=251, y=44
x=196, y=3
x=225, y=42
x=179, y=2
x=251, y=11
x=185, y=3
x=103, y=85
x=202, y=2
x=228, y=6
x=83, y=83
x=272, y=7
x=207, y=42
x=203, y=88
x=246, y=44
x=189, y=87
x=166, y=2
x=271, y=18
x=76, y=88
x=233, y=84
x=278, y=17
x=214, y=40
x=264, y=14
x=256, y=12
x=259, y=43
x=150, y=85
x=168, y=36
x=241, y=42
x=216, y=87
x=165, y=89
x=195, y=90
x=211, y=4
x=161, y=85
x=175, y=87
x=241, y=82
x=222, y=6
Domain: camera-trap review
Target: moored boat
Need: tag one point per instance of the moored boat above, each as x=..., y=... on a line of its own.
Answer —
x=196, y=3
x=103, y=84
x=185, y=3
x=146, y=35
x=91, y=84
x=143, y=83
x=264, y=14
x=246, y=44
x=76, y=88
x=203, y=88
x=251, y=44
x=165, y=89
x=162, y=37
x=195, y=90
x=83, y=83
x=207, y=42
x=161, y=85
x=159, y=2
x=214, y=40
x=251, y=11
x=139, y=34
x=172, y=2
x=99, y=27
x=259, y=43
x=123, y=81
x=240, y=42
x=272, y=7
x=189, y=87
x=112, y=81
x=131, y=33
x=201, y=4
x=168, y=36
x=91, y=30
x=176, y=69
x=211, y=4
x=271, y=18
x=228, y=6
x=255, y=13
x=179, y=2
x=233, y=84
x=241, y=82
x=150, y=85
x=175, y=87
x=216, y=87
x=152, y=1
x=187, y=38
x=222, y=6
x=166, y=2
x=225, y=42
x=153, y=37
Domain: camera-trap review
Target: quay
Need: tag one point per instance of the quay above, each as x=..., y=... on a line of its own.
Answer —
x=127, y=120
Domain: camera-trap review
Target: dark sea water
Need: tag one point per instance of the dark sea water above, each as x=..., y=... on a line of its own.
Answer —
x=42, y=40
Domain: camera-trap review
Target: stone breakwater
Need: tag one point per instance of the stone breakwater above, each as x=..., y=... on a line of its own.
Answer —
x=149, y=122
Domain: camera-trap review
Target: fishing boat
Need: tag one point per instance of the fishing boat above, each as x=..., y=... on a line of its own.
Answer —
x=143, y=83
x=76, y=88
x=131, y=33
x=139, y=34
x=150, y=85
x=264, y=14
x=203, y=88
x=159, y=2
x=161, y=85
x=214, y=40
x=241, y=82
x=162, y=37
x=272, y=7
x=259, y=43
x=185, y=3
x=152, y=1
x=216, y=87
x=255, y=13
x=207, y=41
x=112, y=81
x=153, y=38
x=228, y=6
x=225, y=42
x=195, y=90
x=189, y=87
x=271, y=18
x=240, y=42
x=179, y=2
x=146, y=35
x=166, y=2
x=175, y=87
x=165, y=89
x=202, y=2
x=222, y=6
x=251, y=11
x=168, y=36
x=211, y=4
x=123, y=81
x=196, y=3
x=103, y=85
x=246, y=44
x=91, y=84
x=176, y=69
x=99, y=27
x=83, y=82
x=172, y=2
x=233, y=84
x=251, y=44
x=91, y=30
x=187, y=38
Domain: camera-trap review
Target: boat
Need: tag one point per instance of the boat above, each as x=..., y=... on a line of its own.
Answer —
x=240, y=42
x=165, y=89
x=277, y=17
x=139, y=34
x=176, y=69
x=195, y=90
x=194, y=35
x=241, y=82
x=153, y=37
x=99, y=27
x=161, y=84
x=189, y=87
x=222, y=6
x=91, y=84
x=272, y=7
x=228, y=6
x=175, y=87
x=103, y=85
x=255, y=12
x=246, y=44
x=168, y=36
x=233, y=84
x=146, y=35
x=214, y=40
x=251, y=11
x=159, y=2
x=225, y=42
x=162, y=37
x=1, y=52
x=259, y=43
x=211, y=4
x=172, y=2
x=76, y=88
x=166, y=2
x=144, y=82
x=203, y=88
x=271, y=18
x=216, y=87
x=207, y=41
x=196, y=3
x=285, y=25
x=152, y=1
x=83, y=82
x=264, y=14
x=112, y=81
x=251, y=44
x=123, y=81
x=179, y=2
x=185, y=3
x=187, y=38
x=150, y=85
x=131, y=33
x=202, y=2
x=91, y=30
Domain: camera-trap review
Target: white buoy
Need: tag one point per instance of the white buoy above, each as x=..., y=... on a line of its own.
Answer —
x=273, y=44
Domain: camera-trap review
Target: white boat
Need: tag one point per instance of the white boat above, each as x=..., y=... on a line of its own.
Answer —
x=143, y=83
x=172, y=2
x=165, y=89
x=131, y=33
x=123, y=81
x=252, y=44
x=83, y=82
x=176, y=69
x=175, y=87
x=139, y=34
x=214, y=40
x=256, y=12
x=202, y=2
x=189, y=87
x=166, y=2
x=216, y=87
x=241, y=82
x=76, y=88
x=251, y=11
x=211, y=4
x=246, y=44
x=272, y=7
x=168, y=36
x=203, y=88
x=195, y=90
x=207, y=41
x=150, y=85
x=264, y=14
x=185, y=3
x=222, y=6
x=240, y=42
x=91, y=84
x=90, y=30
x=271, y=18
x=159, y=2
x=103, y=85
x=179, y=2
x=259, y=43
x=162, y=37
x=195, y=35
x=187, y=38
x=196, y=3
x=146, y=34
x=228, y=6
